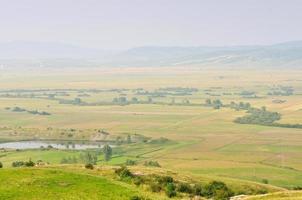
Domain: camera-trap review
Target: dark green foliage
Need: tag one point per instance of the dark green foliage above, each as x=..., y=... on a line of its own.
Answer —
x=197, y=190
x=34, y=112
x=136, y=198
x=124, y=172
x=164, y=180
x=89, y=166
x=217, y=190
x=259, y=116
x=107, y=150
x=170, y=190
x=185, y=188
x=130, y=162
x=152, y=163
x=1, y=165
x=297, y=188
x=29, y=163
x=120, y=101
x=265, y=181
x=18, y=164
x=217, y=104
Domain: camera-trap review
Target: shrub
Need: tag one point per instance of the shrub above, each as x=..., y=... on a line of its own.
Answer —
x=297, y=188
x=130, y=162
x=217, y=190
x=1, y=165
x=18, y=164
x=135, y=198
x=197, y=189
x=265, y=181
x=164, y=180
x=123, y=172
x=152, y=163
x=29, y=163
x=170, y=190
x=184, y=188
x=89, y=166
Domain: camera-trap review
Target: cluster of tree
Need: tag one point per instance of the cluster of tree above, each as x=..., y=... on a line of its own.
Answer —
x=89, y=157
x=119, y=140
x=169, y=91
x=34, y=112
x=240, y=106
x=259, y=116
x=282, y=91
x=86, y=157
x=29, y=163
x=75, y=101
x=120, y=101
x=156, y=183
x=216, y=104
x=287, y=125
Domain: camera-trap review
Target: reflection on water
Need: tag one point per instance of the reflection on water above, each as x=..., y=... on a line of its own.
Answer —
x=46, y=144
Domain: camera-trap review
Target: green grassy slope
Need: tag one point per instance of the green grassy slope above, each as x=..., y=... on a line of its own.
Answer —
x=49, y=184
x=293, y=195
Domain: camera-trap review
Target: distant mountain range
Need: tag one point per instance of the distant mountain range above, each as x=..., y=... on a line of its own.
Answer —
x=35, y=54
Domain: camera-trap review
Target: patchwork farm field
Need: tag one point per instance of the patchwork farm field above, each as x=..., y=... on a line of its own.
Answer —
x=167, y=117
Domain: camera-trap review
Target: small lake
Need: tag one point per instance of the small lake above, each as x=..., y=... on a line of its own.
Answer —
x=46, y=144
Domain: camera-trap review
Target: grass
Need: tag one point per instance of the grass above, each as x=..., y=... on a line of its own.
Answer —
x=278, y=196
x=204, y=141
x=19, y=184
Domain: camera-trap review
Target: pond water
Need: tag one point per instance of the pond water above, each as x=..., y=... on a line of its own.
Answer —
x=45, y=144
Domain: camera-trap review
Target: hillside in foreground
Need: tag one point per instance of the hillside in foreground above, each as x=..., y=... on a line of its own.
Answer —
x=49, y=184
x=77, y=183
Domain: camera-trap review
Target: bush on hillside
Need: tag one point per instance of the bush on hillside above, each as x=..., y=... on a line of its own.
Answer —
x=152, y=163
x=123, y=172
x=170, y=190
x=217, y=190
x=89, y=166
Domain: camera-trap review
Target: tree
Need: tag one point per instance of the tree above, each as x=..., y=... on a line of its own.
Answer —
x=208, y=102
x=107, y=150
x=90, y=158
x=134, y=100
x=1, y=165
x=129, y=139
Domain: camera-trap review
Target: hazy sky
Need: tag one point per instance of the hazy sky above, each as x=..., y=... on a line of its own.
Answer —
x=130, y=23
